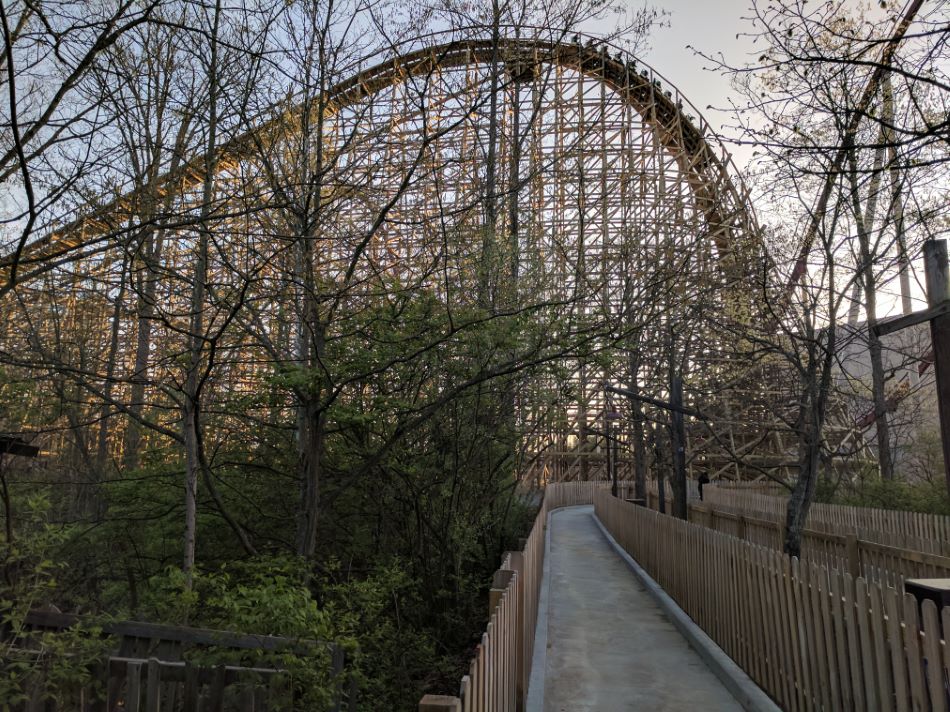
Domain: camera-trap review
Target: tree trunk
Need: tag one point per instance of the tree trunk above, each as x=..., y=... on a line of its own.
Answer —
x=102, y=446
x=310, y=433
x=191, y=401
x=639, y=453
x=145, y=311
x=678, y=451
x=815, y=389
x=864, y=221
x=190, y=428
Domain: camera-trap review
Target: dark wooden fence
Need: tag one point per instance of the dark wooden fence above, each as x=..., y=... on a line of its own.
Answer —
x=162, y=668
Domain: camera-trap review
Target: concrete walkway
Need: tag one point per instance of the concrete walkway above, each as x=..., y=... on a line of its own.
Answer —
x=607, y=645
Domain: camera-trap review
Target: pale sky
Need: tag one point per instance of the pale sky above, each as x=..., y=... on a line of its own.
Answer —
x=709, y=26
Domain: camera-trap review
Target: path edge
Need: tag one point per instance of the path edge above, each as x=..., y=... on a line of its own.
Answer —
x=534, y=700
x=749, y=695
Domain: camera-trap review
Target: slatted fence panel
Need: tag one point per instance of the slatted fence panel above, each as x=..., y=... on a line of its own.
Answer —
x=812, y=636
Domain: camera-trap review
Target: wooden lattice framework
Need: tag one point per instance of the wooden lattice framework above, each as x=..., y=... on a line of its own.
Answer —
x=611, y=195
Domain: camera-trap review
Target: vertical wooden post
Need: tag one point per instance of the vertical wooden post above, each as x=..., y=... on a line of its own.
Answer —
x=152, y=699
x=192, y=687
x=938, y=291
x=216, y=702
x=134, y=694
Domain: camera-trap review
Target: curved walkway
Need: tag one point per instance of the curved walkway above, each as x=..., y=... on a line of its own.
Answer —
x=602, y=643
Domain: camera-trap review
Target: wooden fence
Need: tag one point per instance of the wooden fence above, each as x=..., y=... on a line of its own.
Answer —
x=497, y=679
x=812, y=637
x=908, y=530
x=873, y=561
x=741, y=510
x=768, y=487
x=146, y=670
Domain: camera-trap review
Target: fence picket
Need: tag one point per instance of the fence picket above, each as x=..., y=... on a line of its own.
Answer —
x=881, y=657
x=912, y=648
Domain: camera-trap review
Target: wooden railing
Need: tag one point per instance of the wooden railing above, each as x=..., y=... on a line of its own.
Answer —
x=498, y=675
x=146, y=669
x=908, y=530
x=857, y=555
x=811, y=636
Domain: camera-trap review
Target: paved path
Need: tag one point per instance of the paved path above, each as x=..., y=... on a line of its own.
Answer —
x=608, y=645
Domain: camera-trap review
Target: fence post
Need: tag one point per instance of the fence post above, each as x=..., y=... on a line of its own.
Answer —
x=440, y=703
x=854, y=555
x=499, y=582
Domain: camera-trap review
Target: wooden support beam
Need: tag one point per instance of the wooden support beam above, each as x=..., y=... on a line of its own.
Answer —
x=896, y=323
x=938, y=293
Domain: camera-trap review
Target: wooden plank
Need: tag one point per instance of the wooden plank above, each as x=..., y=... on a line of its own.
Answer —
x=178, y=634
x=854, y=645
x=168, y=692
x=134, y=695
x=895, y=641
x=881, y=655
x=841, y=640
x=786, y=665
x=862, y=610
x=152, y=697
x=945, y=621
x=815, y=575
x=116, y=680
x=788, y=601
x=934, y=658
x=912, y=648
x=767, y=604
x=828, y=631
x=215, y=699
x=804, y=642
x=762, y=604
x=465, y=691
x=192, y=688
